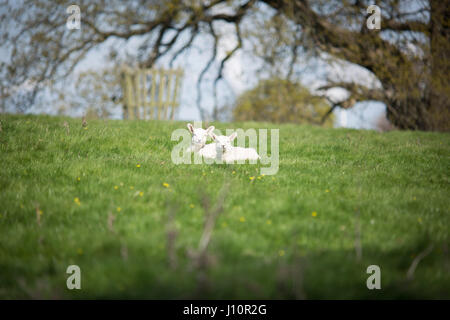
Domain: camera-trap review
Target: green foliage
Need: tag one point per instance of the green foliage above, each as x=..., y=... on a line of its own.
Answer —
x=280, y=101
x=392, y=187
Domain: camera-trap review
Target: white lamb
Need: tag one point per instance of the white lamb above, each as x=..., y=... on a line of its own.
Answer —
x=228, y=153
x=198, y=142
x=199, y=136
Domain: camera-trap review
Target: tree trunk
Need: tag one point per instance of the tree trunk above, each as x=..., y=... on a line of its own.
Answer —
x=439, y=110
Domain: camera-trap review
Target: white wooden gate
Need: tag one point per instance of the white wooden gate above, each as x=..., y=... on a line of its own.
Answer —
x=150, y=93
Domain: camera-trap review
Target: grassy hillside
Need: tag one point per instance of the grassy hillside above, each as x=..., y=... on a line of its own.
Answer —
x=108, y=199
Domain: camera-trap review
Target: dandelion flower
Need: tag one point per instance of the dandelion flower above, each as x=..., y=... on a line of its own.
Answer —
x=166, y=185
x=281, y=253
x=77, y=201
x=314, y=214
x=192, y=206
x=269, y=222
x=138, y=165
x=78, y=179
x=40, y=212
x=131, y=187
x=242, y=219
x=251, y=178
x=141, y=194
x=116, y=187
x=119, y=209
x=327, y=190
x=233, y=172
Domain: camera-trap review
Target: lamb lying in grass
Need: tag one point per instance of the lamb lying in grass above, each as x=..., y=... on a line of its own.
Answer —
x=228, y=153
x=198, y=142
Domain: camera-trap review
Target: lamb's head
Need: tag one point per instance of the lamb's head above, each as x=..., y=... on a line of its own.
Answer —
x=199, y=135
x=223, y=143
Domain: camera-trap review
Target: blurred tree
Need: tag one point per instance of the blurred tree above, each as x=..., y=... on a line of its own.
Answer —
x=278, y=100
x=94, y=93
x=100, y=90
x=407, y=56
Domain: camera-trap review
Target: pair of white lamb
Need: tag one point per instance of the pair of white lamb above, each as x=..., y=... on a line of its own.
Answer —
x=222, y=149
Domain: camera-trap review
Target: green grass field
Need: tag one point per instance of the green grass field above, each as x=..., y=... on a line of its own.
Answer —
x=108, y=199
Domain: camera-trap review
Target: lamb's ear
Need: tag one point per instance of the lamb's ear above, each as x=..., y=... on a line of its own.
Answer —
x=190, y=127
x=210, y=129
x=212, y=135
x=233, y=136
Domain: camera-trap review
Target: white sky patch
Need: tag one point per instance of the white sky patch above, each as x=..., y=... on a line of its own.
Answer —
x=364, y=115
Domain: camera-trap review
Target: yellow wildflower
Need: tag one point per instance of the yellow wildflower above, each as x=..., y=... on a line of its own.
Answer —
x=192, y=206
x=119, y=209
x=251, y=178
x=314, y=214
x=116, y=187
x=141, y=194
x=269, y=222
x=281, y=253
x=138, y=165
x=166, y=185
x=242, y=219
